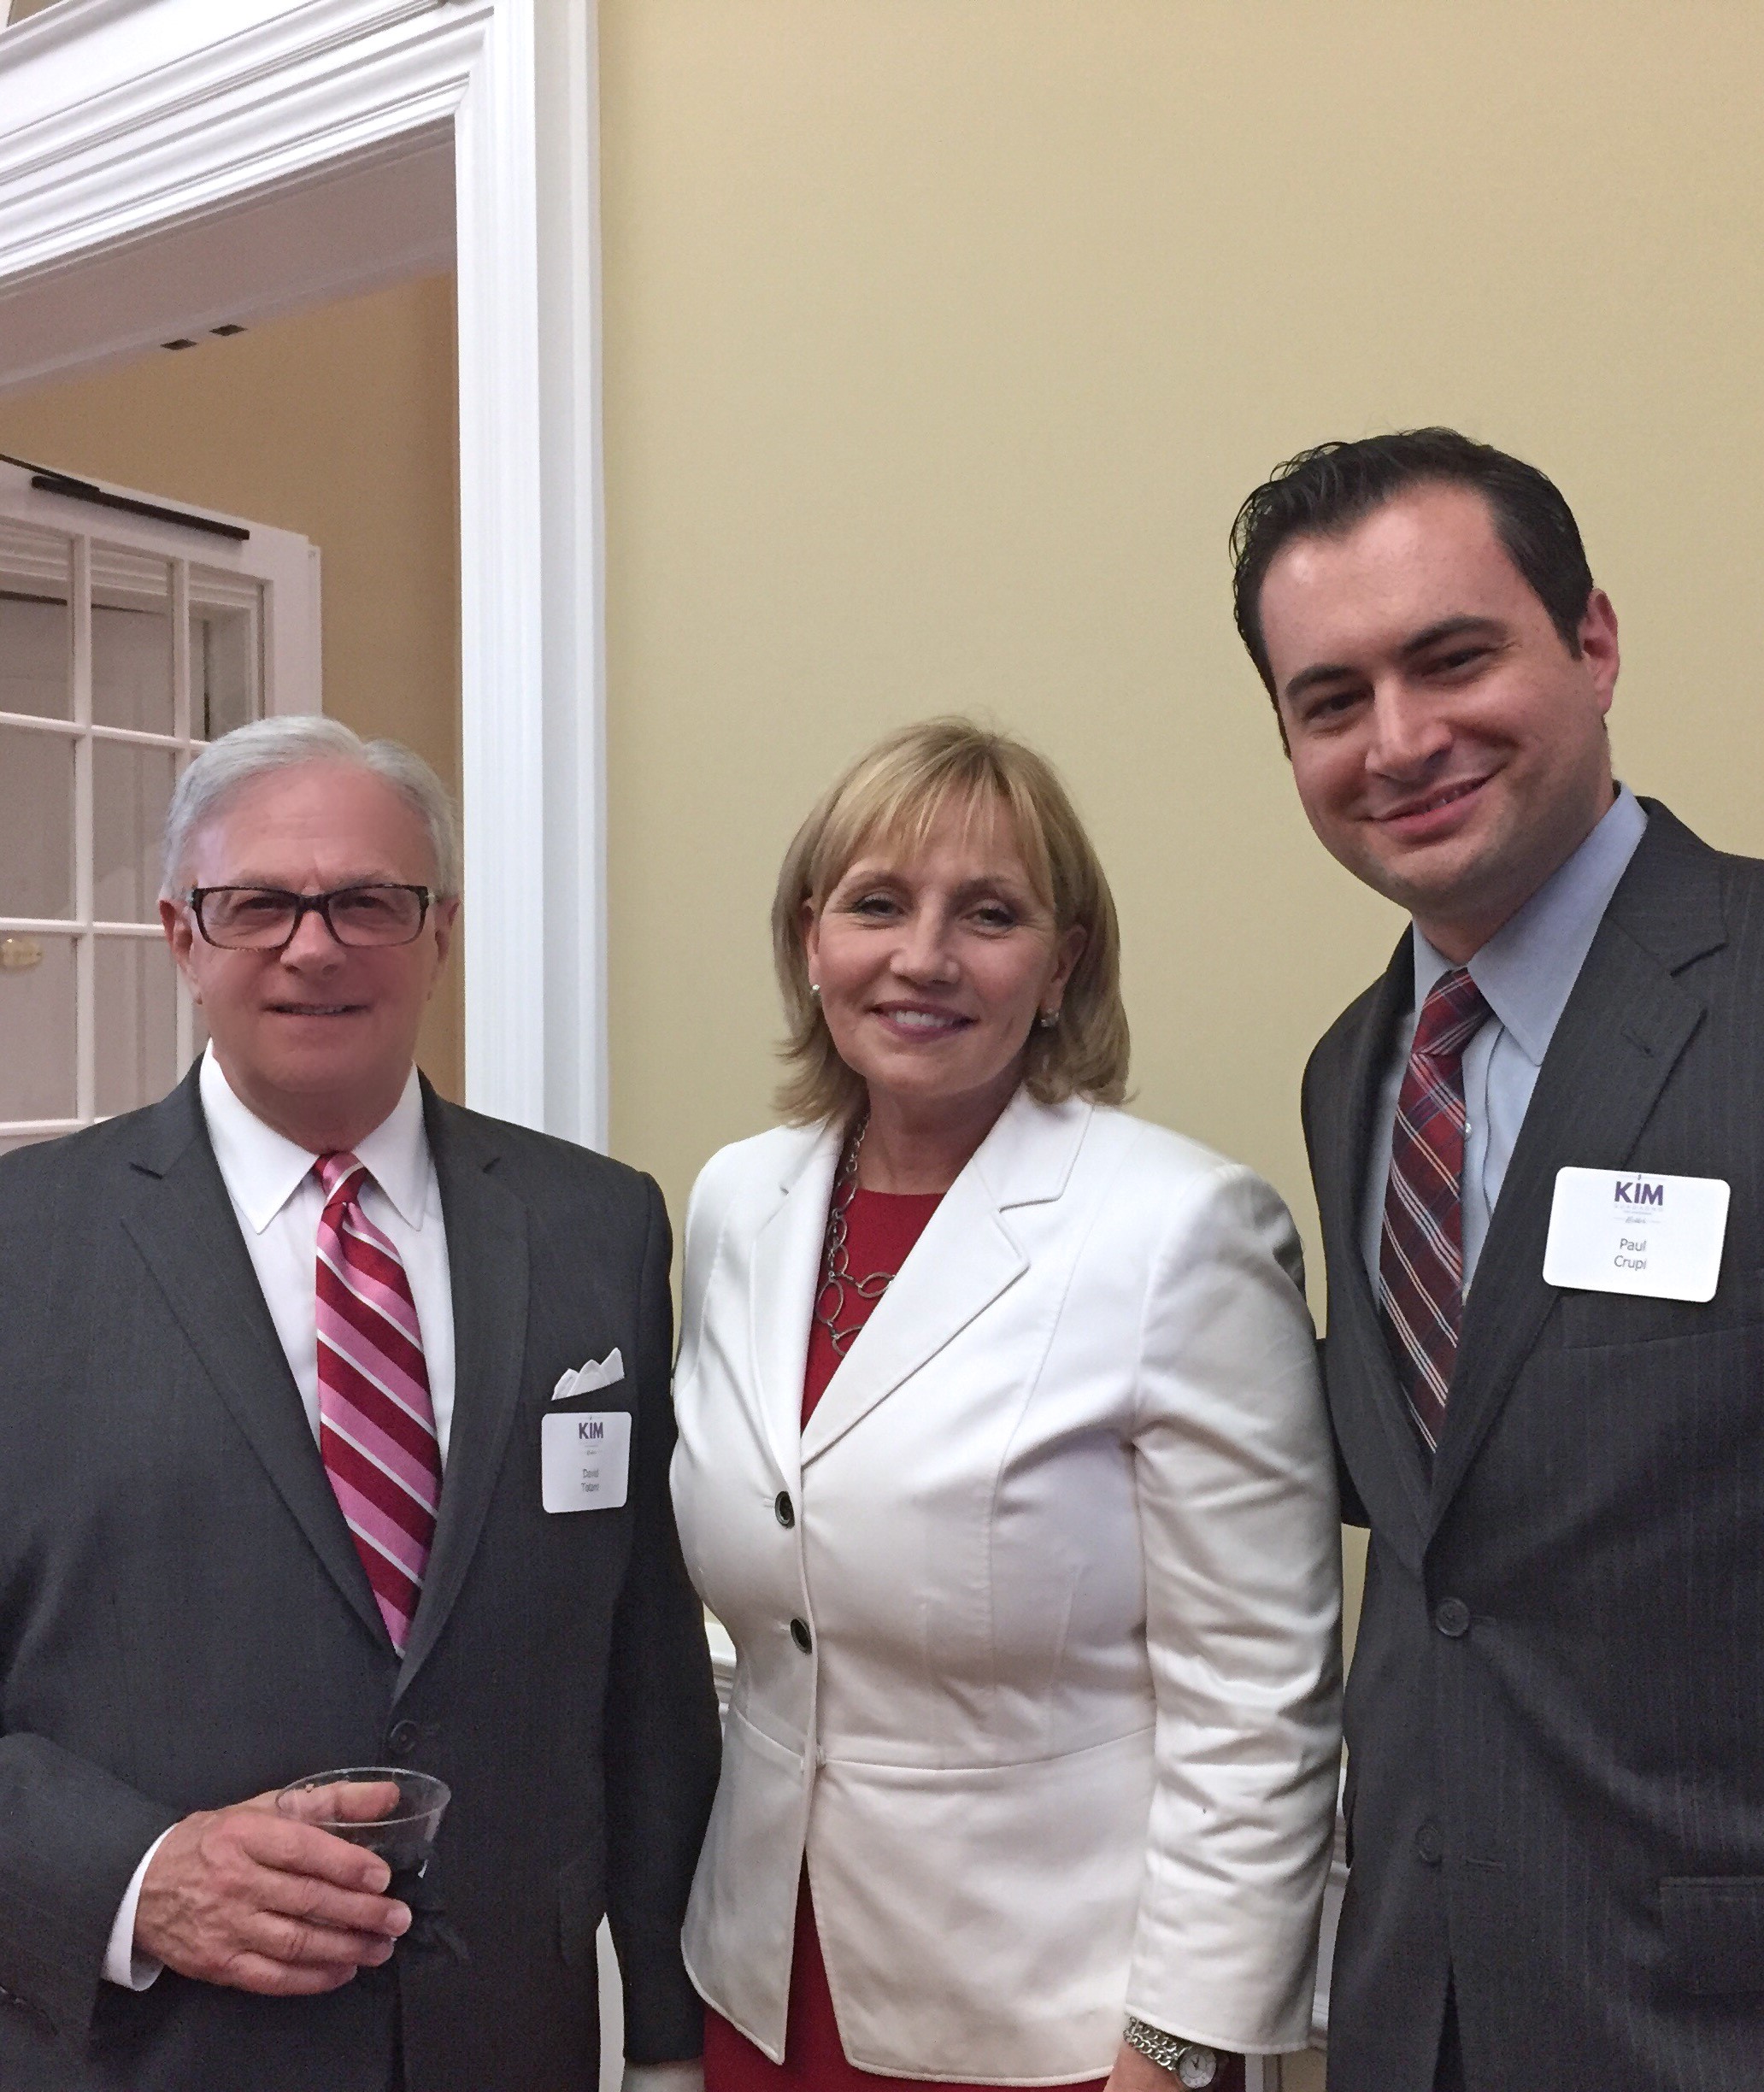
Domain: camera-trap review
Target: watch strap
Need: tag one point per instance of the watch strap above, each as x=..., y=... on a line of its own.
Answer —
x=1190, y=2062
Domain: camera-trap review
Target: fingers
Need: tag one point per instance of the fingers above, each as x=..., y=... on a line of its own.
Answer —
x=345, y=1802
x=271, y=1978
x=310, y=1901
x=279, y=1842
x=305, y=1944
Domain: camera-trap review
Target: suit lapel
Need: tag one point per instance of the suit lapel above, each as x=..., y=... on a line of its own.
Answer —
x=178, y=1214
x=1382, y=1448
x=1619, y=1039
x=782, y=1278
x=487, y=1259
x=965, y=1258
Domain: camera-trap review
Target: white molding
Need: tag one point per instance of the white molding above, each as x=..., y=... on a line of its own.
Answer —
x=571, y=490
x=125, y=120
x=503, y=727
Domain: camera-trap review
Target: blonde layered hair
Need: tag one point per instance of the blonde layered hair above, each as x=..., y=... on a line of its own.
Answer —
x=895, y=795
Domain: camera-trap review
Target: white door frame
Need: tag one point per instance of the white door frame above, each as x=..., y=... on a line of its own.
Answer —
x=124, y=119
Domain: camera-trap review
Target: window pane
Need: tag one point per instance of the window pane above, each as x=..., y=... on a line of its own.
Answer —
x=225, y=667
x=35, y=822
x=132, y=641
x=137, y=1023
x=38, y=1072
x=132, y=788
x=35, y=639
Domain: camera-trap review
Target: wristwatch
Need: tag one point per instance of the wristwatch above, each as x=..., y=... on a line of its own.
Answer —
x=1191, y=2064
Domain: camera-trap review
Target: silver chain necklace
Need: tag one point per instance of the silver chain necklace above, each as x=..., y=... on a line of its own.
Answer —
x=838, y=1283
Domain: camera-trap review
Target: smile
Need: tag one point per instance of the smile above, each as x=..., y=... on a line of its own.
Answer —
x=1417, y=810
x=924, y=1023
x=317, y=1009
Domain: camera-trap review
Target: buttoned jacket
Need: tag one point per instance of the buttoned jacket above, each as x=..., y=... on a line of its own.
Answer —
x=1555, y=1781
x=185, y=1622
x=1036, y=1618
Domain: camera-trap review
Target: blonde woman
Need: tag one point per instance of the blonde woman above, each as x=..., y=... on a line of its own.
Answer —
x=1003, y=1458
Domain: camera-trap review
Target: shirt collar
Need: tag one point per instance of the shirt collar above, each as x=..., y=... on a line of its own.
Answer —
x=263, y=1169
x=1527, y=970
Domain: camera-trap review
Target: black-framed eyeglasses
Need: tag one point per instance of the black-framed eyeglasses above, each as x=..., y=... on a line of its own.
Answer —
x=266, y=918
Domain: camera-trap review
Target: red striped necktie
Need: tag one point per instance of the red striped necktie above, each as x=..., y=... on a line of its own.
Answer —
x=376, y=1421
x=1421, y=1250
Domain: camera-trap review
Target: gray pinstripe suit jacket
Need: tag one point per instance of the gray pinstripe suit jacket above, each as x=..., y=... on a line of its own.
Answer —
x=1557, y=1810
x=184, y=1622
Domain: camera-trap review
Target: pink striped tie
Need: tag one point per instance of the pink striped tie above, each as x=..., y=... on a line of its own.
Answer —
x=1421, y=1247
x=376, y=1422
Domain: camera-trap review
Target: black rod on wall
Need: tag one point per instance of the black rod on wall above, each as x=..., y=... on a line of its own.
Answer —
x=47, y=480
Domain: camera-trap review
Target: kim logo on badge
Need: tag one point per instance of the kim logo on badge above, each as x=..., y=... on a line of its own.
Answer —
x=1619, y=1232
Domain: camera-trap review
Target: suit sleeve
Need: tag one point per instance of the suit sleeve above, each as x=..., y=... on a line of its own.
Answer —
x=1235, y=1487
x=71, y=1837
x=1353, y=1512
x=663, y=1741
x=71, y=1832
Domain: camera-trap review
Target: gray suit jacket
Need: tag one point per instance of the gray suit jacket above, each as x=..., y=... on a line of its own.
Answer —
x=1555, y=1714
x=184, y=1622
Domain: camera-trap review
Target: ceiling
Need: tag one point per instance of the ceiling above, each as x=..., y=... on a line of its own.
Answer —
x=361, y=225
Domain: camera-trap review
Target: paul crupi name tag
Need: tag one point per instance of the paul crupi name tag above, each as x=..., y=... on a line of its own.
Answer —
x=1612, y=1231
x=587, y=1460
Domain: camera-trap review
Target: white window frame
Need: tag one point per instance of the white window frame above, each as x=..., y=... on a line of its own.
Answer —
x=122, y=119
x=276, y=568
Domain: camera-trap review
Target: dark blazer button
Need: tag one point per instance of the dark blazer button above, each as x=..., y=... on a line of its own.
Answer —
x=402, y=1737
x=1452, y=1618
x=801, y=1636
x=1430, y=1847
x=785, y=1509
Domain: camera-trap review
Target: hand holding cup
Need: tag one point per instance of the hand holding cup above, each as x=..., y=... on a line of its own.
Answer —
x=261, y=1897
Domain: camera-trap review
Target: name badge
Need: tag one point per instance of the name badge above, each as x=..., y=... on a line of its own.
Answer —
x=1614, y=1233
x=587, y=1460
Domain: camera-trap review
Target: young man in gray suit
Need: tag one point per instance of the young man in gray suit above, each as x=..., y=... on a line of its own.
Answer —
x=289, y=1365
x=1539, y=1149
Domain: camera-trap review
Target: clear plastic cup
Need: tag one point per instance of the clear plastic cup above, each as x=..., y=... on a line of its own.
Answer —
x=400, y=1828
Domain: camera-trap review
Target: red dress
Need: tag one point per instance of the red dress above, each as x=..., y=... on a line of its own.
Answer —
x=881, y=1227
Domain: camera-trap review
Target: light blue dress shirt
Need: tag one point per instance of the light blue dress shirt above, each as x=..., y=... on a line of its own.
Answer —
x=1527, y=972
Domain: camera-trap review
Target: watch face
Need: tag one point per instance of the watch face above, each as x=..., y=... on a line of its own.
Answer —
x=1197, y=2066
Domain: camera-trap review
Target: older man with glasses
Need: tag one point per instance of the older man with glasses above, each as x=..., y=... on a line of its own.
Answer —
x=293, y=1367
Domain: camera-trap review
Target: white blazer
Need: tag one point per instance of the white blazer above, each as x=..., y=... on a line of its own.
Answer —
x=1062, y=1537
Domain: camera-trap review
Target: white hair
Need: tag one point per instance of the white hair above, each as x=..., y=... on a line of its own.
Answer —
x=226, y=766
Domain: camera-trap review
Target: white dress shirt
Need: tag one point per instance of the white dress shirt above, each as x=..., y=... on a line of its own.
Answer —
x=278, y=1201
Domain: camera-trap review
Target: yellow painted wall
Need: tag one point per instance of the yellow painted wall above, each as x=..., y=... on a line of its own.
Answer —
x=943, y=338
x=340, y=423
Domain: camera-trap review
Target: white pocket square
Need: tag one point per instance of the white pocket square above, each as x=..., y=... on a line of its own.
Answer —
x=597, y=1373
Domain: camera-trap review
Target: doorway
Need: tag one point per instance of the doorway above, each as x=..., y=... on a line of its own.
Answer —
x=339, y=424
